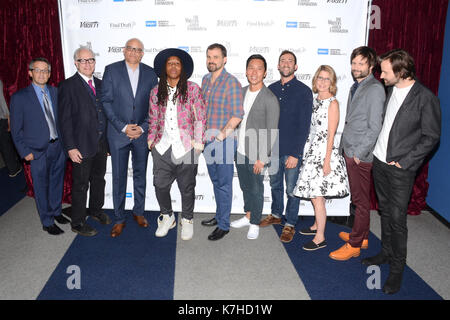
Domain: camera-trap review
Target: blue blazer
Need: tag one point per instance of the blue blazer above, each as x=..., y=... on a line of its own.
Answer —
x=121, y=108
x=29, y=128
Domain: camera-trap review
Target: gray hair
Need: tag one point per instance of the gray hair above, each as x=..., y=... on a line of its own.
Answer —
x=30, y=66
x=75, y=54
x=142, y=44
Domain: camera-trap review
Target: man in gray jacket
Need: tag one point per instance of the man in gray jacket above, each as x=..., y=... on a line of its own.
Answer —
x=362, y=125
x=256, y=139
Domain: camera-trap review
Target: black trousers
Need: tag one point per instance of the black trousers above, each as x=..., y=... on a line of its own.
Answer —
x=7, y=150
x=89, y=174
x=393, y=187
x=166, y=171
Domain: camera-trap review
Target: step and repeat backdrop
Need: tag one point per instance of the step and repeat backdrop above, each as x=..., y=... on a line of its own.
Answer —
x=317, y=31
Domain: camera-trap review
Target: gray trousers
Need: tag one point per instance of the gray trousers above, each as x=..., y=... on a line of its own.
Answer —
x=165, y=171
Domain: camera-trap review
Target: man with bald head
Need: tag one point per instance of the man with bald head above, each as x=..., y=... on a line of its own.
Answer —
x=125, y=97
x=83, y=130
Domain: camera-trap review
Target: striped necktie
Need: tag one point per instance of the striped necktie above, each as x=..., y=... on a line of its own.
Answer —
x=49, y=116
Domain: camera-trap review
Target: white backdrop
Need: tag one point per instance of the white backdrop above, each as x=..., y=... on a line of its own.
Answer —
x=317, y=31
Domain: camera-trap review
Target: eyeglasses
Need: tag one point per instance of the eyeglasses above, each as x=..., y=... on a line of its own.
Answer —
x=36, y=70
x=138, y=50
x=323, y=79
x=83, y=61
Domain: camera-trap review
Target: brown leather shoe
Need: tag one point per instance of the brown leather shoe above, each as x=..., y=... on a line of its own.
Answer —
x=345, y=252
x=117, y=229
x=269, y=220
x=346, y=236
x=141, y=221
x=287, y=234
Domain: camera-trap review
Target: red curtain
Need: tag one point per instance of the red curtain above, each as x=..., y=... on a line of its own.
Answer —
x=418, y=27
x=30, y=29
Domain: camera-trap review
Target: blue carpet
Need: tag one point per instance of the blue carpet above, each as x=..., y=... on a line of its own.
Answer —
x=12, y=190
x=136, y=265
x=327, y=279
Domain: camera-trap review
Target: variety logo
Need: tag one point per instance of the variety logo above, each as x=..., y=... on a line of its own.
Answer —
x=89, y=24
x=227, y=23
x=337, y=1
x=259, y=50
x=115, y=49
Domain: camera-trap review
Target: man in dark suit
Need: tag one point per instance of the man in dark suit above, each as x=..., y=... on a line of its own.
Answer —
x=83, y=130
x=33, y=117
x=411, y=129
x=125, y=97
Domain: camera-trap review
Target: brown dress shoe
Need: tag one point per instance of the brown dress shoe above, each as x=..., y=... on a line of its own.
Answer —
x=287, y=234
x=269, y=220
x=141, y=221
x=117, y=229
x=346, y=237
x=345, y=252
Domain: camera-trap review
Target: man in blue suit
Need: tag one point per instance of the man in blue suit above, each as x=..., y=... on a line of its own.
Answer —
x=33, y=117
x=125, y=97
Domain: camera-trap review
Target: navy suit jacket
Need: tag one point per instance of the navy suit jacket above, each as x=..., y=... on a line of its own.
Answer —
x=78, y=115
x=121, y=108
x=29, y=128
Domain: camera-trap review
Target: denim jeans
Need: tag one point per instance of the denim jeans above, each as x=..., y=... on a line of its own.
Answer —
x=277, y=185
x=219, y=157
x=252, y=186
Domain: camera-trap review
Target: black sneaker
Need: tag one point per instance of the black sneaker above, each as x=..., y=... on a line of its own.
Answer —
x=311, y=246
x=85, y=230
x=308, y=232
x=101, y=217
x=53, y=230
x=61, y=219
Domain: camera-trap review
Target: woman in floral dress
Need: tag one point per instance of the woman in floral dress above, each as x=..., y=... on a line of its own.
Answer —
x=323, y=172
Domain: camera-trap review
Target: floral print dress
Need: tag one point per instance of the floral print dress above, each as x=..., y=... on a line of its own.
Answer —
x=311, y=182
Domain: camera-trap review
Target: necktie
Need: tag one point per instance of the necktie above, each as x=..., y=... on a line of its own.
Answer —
x=49, y=116
x=354, y=88
x=92, y=87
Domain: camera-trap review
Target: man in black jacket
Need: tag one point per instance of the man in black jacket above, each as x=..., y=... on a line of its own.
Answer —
x=411, y=129
x=83, y=129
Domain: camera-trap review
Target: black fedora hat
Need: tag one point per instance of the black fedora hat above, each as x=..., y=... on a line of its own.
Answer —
x=160, y=61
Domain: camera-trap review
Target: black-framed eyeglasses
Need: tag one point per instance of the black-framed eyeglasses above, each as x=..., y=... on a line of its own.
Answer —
x=83, y=61
x=138, y=50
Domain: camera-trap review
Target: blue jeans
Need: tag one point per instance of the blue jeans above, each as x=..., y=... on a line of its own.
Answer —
x=219, y=158
x=277, y=185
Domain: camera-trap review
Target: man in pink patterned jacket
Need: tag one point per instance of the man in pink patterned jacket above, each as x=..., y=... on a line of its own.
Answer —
x=176, y=136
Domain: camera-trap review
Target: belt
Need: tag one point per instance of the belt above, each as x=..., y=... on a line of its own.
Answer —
x=53, y=140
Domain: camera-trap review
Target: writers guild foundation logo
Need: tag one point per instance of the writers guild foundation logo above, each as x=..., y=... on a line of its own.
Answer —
x=307, y=3
x=164, y=3
x=88, y=24
x=336, y=26
x=193, y=24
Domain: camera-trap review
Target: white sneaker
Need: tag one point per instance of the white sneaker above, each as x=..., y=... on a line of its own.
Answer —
x=253, y=232
x=187, y=229
x=242, y=222
x=167, y=222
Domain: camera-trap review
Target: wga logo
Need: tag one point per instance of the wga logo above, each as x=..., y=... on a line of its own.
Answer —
x=89, y=24
x=89, y=45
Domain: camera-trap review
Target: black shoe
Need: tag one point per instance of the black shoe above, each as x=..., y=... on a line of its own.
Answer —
x=393, y=283
x=311, y=246
x=209, y=223
x=101, y=217
x=12, y=175
x=85, y=230
x=217, y=234
x=375, y=260
x=53, y=230
x=67, y=211
x=62, y=220
x=308, y=232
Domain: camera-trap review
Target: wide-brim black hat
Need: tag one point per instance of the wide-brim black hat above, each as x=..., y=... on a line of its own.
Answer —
x=159, y=64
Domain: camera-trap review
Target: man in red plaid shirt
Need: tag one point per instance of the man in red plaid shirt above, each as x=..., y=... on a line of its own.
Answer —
x=222, y=93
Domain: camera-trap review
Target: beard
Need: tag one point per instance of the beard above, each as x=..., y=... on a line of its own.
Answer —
x=212, y=67
x=360, y=74
x=287, y=73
